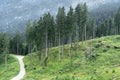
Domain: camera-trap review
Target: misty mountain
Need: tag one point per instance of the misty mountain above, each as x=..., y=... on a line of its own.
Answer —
x=105, y=11
x=15, y=13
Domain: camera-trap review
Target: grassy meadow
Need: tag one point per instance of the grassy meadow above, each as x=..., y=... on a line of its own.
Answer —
x=98, y=59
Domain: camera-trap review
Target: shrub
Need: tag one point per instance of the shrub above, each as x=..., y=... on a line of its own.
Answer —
x=92, y=56
x=34, y=68
x=113, y=71
x=106, y=71
x=98, y=45
x=118, y=38
x=108, y=46
x=25, y=66
x=116, y=47
x=105, y=50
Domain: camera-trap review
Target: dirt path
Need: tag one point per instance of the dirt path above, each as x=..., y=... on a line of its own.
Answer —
x=22, y=69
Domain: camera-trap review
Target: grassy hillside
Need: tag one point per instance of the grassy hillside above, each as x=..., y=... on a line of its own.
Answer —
x=98, y=59
x=12, y=68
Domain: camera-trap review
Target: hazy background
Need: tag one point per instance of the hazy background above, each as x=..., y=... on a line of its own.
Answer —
x=15, y=13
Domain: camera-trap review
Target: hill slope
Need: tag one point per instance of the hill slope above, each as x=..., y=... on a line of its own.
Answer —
x=100, y=61
x=12, y=68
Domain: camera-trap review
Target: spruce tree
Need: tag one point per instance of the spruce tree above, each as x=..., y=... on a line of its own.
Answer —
x=69, y=26
x=60, y=23
x=117, y=21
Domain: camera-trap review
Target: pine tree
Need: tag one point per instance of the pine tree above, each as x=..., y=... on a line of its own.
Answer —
x=28, y=35
x=60, y=23
x=92, y=29
x=117, y=21
x=110, y=27
x=51, y=33
x=48, y=23
x=85, y=19
x=4, y=48
x=79, y=19
x=78, y=24
x=18, y=42
x=69, y=26
x=40, y=37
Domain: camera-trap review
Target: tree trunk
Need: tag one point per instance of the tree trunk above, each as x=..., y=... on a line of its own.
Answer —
x=84, y=54
x=77, y=39
x=63, y=47
x=50, y=49
x=46, y=43
x=59, y=48
x=29, y=50
x=69, y=44
x=93, y=33
x=85, y=33
x=6, y=61
x=17, y=49
x=5, y=58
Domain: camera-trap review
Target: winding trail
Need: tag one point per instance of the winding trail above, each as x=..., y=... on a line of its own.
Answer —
x=22, y=69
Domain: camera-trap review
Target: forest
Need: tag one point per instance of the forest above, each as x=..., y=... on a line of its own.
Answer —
x=64, y=28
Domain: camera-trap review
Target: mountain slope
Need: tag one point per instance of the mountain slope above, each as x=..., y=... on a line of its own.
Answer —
x=97, y=59
x=14, y=13
x=104, y=11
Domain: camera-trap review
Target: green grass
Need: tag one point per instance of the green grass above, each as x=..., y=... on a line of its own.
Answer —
x=103, y=64
x=12, y=68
